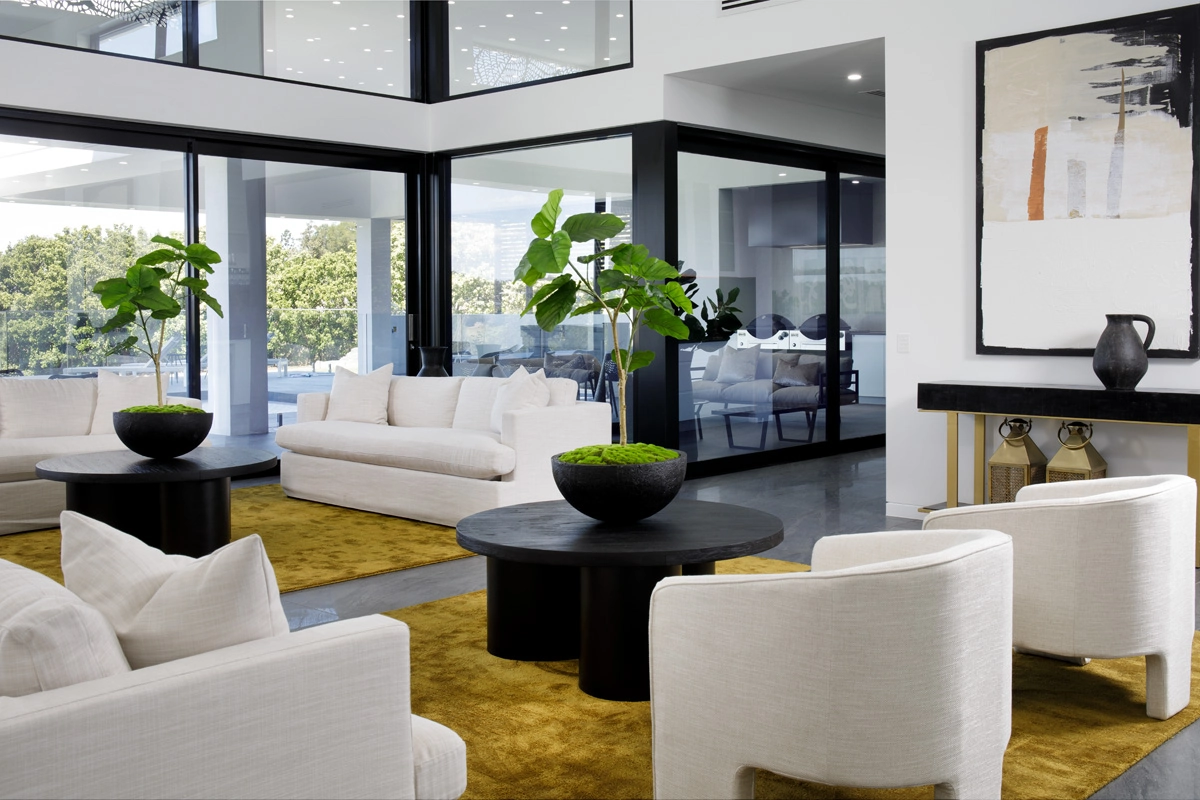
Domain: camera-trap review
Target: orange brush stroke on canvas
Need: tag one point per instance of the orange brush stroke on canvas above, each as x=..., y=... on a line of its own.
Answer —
x=1037, y=175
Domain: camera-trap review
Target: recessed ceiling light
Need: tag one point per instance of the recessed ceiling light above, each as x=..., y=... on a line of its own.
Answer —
x=508, y=15
x=366, y=49
x=270, y=51
x=308, y=40
x=783, y=174
x=366, y=24
x=289, y=69
x=337, y=2
x=464, y=49
x=379, y=69
x=612, y=38
x=474, y=183
x=341, y=62
x=33, y=141
x=341, y=77
x=290, y=16
x=562, y=49
x=469, y=69
x=854, y=181
x=606, y=58
x=483, y=26
x=289, y=9
x=387, y=51
x=537, y=12
x=511, y=39
x=563, y=28
x=360, y=83
x=119, y=162
x=398, y=16
x=390, y=84
x=299, y=72
x=545, y=40
x=83, y=169
x=317, y=38
x=458, y=27
x=325, y=59
x=620, y=15
x=456, y=80
x=854, y=76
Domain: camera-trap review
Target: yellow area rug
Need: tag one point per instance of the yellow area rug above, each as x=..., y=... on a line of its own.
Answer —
x=309, y=544
x=531, y=733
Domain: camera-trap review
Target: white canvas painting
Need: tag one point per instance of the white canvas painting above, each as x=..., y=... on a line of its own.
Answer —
x=1086, y=187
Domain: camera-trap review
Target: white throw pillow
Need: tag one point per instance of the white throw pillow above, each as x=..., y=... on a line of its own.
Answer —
x=49, y=637
x=165, y=607
x=119, y=392
x=360, y=398
x=520, y=390
x=475, y=400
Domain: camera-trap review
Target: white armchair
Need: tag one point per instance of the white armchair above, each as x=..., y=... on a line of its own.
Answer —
x=888, y=665
x=322, y=712
x=1103, y=569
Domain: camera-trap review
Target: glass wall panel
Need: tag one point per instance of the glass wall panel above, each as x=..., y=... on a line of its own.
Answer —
x=313, y=279
x=493, y=199
x=142, y=28
x=753, y=236
x=862, y=296
x=71, y=215
x=518, y=41
x=352, y=44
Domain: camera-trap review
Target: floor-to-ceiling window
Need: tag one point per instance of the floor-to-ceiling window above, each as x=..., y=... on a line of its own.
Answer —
x=73, y=214
x=493, y=199
x=314, y=279
x=862, y=297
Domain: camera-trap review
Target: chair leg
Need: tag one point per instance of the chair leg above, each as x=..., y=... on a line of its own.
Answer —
x=1169, y=680
x=979, y=781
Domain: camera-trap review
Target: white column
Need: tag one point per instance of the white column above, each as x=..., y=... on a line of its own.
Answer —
x=235, y=225
x=374, y=294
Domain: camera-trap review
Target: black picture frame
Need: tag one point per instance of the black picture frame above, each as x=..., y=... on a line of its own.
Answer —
x=1177, y=31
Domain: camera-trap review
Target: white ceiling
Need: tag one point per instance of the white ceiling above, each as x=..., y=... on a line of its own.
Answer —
x=816, y=77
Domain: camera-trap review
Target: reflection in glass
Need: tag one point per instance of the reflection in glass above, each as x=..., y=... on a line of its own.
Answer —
x=352, y=44
x=757, y=230
x=71, y=215
x=143, y=28
x=315, y=281
x=504, y=44
x=863, y=299
x=492, y=202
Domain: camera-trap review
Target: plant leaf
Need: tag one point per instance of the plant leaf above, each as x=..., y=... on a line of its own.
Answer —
x=542, y=258
x=625, y=255
x=611, y=280
x=589, y=308
x=525, y=273
x=586, y=227
x=653, y=269
x=154, y=299
x=561, y=245
x=678, y=296
x=157, y=257
x=543, y=292
x=114, y=291
x=544, y=221
x=666, y=323
x=555, y=308
x=167, y=240
x=637, y=359
x=119, y=320
x=597, y=256
x=198, y=251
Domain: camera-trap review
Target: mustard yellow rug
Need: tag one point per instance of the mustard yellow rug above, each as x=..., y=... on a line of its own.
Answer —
x=309, y=544
x=531, y=733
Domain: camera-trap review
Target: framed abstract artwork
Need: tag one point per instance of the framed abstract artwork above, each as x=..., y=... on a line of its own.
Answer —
x=1087, y=192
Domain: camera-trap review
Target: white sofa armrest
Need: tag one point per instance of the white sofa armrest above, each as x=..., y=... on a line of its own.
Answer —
x=322, y=712
x=311, y=406
x=538, y=433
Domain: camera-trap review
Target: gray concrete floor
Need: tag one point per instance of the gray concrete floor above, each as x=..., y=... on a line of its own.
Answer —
x=842, y=494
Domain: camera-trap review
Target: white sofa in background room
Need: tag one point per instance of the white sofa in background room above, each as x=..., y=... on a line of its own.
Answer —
x=441, y=450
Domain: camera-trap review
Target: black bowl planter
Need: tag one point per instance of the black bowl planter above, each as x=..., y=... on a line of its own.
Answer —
x=619, y=492
x=161, y=435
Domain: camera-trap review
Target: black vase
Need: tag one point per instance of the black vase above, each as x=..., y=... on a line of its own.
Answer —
x=433, y=363
x=619, y=492
x=1120, y=358
x=161, y=435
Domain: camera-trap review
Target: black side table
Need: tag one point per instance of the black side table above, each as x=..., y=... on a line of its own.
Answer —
x=562, y=585
x=180, y=505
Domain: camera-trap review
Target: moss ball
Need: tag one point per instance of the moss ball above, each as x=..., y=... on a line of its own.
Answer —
x=170, y=408
x=601, y=454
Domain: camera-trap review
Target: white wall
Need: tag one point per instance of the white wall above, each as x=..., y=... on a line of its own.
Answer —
x=929, y=141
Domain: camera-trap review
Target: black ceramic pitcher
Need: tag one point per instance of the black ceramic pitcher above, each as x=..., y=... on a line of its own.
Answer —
x=1120, y=359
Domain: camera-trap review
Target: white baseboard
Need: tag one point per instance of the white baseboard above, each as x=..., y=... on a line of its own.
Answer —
x=904, y=511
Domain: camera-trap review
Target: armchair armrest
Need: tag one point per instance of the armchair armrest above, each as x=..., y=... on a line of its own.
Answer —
x=851, y=550
x=311, y=406
x=538, y=433
x=1068, y=490
x=322, y=712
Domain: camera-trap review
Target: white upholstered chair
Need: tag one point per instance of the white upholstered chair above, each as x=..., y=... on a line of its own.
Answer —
x=1103, y=569
x=890, y=664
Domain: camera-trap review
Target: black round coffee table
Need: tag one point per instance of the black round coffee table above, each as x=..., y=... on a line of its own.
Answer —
x=561, y=585
x=180, y=505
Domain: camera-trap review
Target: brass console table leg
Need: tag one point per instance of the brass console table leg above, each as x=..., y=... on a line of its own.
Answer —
x=1193, y=471
x=951, y=459
x=980, y=459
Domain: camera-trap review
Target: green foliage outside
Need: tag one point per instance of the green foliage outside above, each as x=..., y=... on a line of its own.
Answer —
x=604, y=454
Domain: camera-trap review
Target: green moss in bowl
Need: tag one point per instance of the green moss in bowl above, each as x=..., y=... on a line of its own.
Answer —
x=170, y=408
x=601, y=454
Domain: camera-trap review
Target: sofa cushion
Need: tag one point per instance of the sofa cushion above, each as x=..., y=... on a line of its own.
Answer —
x=475, y=401
x=707, y=390
x=795, y=374
x=164, y=607
x=19, y=456
x=747, y=392
x=738, y=365
x=795, y=396
x=423, y=402
x=31, y=407
x=49, y=637
x=712, y=367
x=117, y=393
x=448, y=451
x=563, y=391
x=360, y=398
x=522, y=390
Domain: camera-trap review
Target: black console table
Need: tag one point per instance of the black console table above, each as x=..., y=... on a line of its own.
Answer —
x=1178, y=407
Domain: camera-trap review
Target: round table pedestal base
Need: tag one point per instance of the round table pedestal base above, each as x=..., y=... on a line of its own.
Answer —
x=532, y=611
x=190, y=519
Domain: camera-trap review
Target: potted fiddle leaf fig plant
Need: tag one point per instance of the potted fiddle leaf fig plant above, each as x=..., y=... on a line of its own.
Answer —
x=145, y=298
x=620, y=482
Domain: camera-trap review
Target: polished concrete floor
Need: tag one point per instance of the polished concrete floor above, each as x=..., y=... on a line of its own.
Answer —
x=842, y=494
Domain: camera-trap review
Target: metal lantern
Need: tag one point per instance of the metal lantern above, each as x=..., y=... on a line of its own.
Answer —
x=1077, y=459
x=1017, y=463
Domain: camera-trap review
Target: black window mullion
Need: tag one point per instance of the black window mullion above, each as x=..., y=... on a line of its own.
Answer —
x=429, y=50
x=833, y=306
x=191, y=32
x=191, y=204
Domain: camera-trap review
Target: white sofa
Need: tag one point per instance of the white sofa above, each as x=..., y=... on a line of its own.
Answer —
x=322, y=712
x=40, y=419
x=439, y=458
